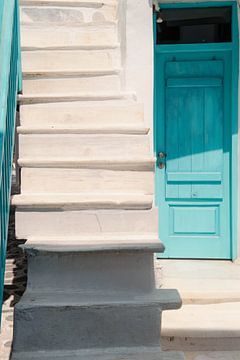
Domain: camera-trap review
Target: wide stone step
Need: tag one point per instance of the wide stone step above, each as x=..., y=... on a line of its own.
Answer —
x=93, y=128
x=65, y=15
x=44, y=321
x=72, y=85
x=58, y=223
x=40, y=180
x=86, y=147
x=60, y=37
x=78, y=115
x=205, y=327
x=201, y=282
x=77, y=3
x=73, y=61
x=83, y=201
x=140, y=353
x=66, y=97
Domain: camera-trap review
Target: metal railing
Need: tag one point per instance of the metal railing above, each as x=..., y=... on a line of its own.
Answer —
x=10, y=85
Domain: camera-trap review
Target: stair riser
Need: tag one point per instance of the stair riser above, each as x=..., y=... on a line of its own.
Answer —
x=74, y=115
x=87, y=147
x=61, y=37
x=110, y=271
x=40, y=180
x=70, y=223
x=79, y=85
x=69, y=327
x=67, y=15
x=79, y=60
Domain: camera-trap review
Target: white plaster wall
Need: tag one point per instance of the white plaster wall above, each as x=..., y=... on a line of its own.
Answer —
x=137, y=52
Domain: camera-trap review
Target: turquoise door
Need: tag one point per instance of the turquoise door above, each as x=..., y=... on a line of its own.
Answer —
x=193, y=142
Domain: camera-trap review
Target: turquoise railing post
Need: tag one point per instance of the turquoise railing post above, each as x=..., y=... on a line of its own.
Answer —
x=10, y=85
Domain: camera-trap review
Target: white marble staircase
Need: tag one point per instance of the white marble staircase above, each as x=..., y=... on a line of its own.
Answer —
x=86, y=201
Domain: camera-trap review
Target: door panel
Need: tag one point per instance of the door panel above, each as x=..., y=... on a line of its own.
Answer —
x=194, y=201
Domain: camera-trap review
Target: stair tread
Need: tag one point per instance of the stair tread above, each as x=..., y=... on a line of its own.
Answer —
x=68, y=72
x=141, y=353
x=84, y=201
x=53, y=98
x=95, y=242
x=166, y=299
x=93, y=128
x=203, y=321
x=114, y=164
x=95, y=3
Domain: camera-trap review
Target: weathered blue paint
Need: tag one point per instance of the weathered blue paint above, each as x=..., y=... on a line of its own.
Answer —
x=10, y=82
x=196, y=125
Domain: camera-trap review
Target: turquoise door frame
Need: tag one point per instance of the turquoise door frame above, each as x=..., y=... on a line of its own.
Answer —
x=228, y=54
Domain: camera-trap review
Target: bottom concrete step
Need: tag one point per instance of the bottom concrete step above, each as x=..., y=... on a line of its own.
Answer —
x=51, y=321
x=101, y=354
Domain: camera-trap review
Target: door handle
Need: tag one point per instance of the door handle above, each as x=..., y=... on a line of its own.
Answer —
x=161, y=160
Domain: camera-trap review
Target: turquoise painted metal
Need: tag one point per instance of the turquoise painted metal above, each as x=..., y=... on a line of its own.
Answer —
x=10, y=84
x=196, y=115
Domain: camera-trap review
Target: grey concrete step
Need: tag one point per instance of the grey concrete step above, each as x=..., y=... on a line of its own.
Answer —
x=71, y=321
x=166, y=299
x=140, y=353
x=93, y=263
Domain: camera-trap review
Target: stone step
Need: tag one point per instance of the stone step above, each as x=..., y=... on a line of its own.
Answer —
x=139, y=353
x=61, y=37
x=66, y=97
x=77, y=3
x=68, y=16
x=107, y=263
x=58, y=223
x=72, y=85
x=44, y=321
x=93, y=128
x=135, y=164
x=96, y=243
x=58, y=62
x=87, y=201
x=88, y=147
x=64, y=180
x=200, y=282
x=78, y=115
x=206, y=327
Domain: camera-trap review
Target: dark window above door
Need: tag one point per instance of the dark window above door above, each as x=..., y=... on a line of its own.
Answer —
x=194, y=25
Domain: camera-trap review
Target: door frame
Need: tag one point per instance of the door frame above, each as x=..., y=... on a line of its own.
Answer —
x=233, y=47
